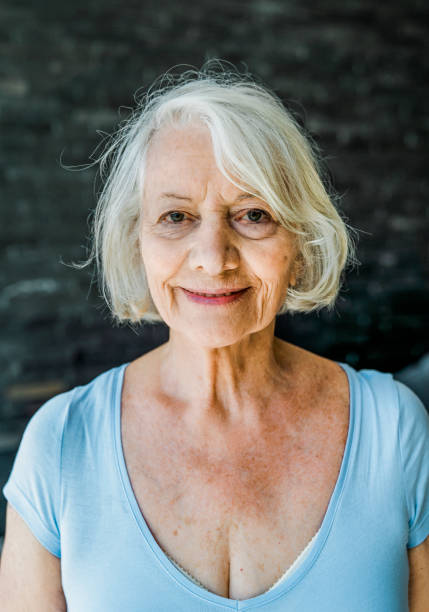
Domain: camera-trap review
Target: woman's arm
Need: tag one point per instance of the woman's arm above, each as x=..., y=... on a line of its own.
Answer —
x=30, y=576
x=418, y=587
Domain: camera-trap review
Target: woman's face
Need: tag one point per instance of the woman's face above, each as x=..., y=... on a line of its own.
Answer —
x=200, y=234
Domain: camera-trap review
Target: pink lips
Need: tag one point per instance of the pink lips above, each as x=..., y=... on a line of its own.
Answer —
x=214, y=299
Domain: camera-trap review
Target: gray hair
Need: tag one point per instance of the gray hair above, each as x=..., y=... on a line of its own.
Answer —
x=258, y=144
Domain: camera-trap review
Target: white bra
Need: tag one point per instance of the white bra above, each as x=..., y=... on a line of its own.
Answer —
x=298, y=561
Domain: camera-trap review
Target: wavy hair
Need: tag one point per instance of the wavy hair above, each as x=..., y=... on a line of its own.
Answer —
x=258, y=144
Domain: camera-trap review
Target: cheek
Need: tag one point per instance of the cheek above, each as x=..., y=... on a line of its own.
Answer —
x=155, y=262
x=162, y=261
x=271, y=267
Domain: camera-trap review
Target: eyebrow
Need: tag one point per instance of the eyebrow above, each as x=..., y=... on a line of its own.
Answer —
x=176, y=196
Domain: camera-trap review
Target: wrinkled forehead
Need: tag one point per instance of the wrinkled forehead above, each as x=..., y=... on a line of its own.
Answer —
x=181, y=158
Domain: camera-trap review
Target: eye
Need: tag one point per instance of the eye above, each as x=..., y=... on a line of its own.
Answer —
x=174, y=217
x=256, y=215
x=255, y=223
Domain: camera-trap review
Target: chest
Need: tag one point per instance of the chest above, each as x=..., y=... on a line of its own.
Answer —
x=236, y=515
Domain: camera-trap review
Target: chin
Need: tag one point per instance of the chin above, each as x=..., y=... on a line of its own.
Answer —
x=215, y=336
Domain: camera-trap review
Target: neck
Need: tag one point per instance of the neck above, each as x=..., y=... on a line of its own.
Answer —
x=226, y=383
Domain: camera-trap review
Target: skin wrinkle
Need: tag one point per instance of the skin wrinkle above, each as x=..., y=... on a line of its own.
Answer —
x=213, y=240
x=221, y=440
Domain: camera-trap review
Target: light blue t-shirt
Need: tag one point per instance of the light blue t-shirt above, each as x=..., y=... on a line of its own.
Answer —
x=70, y=484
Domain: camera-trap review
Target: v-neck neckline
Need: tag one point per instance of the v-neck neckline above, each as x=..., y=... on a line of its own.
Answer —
x=168, y=565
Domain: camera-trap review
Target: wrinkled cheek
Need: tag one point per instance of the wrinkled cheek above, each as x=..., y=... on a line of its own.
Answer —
x=164, y=298
x=269, y=299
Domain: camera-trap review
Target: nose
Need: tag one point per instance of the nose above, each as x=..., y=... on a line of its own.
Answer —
x=213, y=250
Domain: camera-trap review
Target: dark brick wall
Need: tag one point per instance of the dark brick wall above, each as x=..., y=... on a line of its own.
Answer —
x=355, y=71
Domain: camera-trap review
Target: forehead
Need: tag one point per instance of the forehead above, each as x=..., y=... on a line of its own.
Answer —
x=173, y=144
x=183, y=158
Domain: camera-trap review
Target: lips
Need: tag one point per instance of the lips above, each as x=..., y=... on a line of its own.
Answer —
x=214, y=294
x=214, y=297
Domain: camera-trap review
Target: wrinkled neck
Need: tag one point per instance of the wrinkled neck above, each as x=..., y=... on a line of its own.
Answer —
x=223, y=382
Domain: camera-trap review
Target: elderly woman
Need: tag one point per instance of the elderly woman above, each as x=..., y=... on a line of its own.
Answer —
x=227, y=469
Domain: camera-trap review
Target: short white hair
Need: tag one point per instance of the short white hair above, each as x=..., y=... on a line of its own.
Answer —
x=257, y=145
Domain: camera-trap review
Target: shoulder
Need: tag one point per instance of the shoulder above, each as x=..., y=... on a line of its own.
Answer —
x=393, y=416
x=53, y=416
x=386, y=392
x=369, y=388
x=46, y=425
x=413, y=422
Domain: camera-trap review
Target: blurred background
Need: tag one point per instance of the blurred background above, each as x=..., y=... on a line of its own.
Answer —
x=355, y=73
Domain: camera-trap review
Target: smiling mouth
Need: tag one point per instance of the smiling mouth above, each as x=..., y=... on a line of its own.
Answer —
x=215, y=295
x=215, y=299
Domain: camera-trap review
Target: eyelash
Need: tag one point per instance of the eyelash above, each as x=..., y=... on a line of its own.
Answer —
x=259, y=210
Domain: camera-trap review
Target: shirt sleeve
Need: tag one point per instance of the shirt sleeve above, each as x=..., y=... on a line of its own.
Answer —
x=33, y=488
x=414, y=446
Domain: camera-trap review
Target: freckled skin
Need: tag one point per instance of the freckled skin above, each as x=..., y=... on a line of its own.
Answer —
x=254, y=507
x=232, y=438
